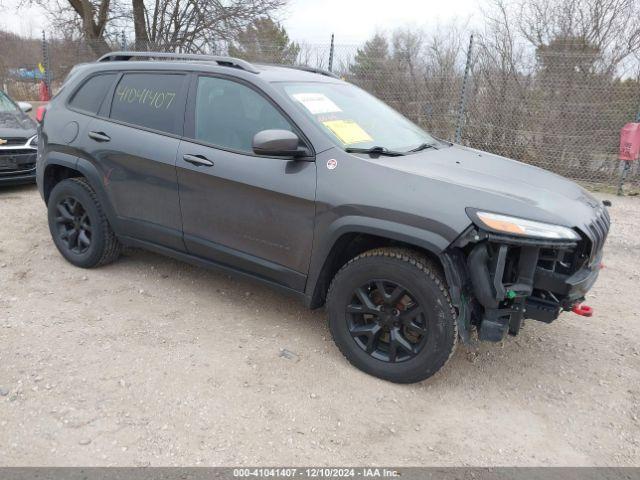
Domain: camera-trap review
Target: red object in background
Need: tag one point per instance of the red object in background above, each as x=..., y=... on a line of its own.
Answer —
x=45, y=94
x=40, y=111
x=630, y=142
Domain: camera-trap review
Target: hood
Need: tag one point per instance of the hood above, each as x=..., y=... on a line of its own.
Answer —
x=16, y=124
x=485, y=181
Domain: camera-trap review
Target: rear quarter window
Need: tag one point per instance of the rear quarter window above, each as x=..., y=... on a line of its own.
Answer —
x=154, y=101
x=92, y=93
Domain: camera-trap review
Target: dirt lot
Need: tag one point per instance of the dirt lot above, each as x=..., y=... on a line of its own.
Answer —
x=154, y=362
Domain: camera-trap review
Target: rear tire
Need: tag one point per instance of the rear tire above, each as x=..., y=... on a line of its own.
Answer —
x=78, y=225
x=391, y=316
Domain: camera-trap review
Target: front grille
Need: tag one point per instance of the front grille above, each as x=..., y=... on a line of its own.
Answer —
x=598, y=231
x=16, y=151
x=17, y=161
x=12, y=142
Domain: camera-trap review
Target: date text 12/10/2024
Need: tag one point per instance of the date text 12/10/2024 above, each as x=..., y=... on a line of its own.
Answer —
x=315, y=472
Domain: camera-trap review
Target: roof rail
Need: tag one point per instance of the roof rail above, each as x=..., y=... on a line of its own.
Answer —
x=319, y=71
x=220, y=60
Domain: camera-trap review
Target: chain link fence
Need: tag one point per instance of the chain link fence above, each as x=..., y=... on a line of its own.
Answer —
x=560, y=112
x=555, y=115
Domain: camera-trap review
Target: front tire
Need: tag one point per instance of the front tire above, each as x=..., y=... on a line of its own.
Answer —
x=78, y=225
x=391, y=316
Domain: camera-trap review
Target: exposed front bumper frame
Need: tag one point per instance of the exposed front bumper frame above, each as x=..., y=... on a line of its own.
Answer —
x=478, y=292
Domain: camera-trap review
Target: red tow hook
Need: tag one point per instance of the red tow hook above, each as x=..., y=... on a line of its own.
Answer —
x=582, y=310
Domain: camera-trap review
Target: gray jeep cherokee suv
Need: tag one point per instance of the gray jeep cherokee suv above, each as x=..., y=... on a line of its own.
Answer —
x=308, y=183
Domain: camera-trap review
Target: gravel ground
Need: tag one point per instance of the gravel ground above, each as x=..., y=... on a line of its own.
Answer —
x=150, y=361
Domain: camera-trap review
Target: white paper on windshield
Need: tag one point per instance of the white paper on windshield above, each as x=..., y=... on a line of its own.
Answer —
x=317, y=103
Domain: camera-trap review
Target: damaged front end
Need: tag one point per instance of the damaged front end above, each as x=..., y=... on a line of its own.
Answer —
x=498, y=280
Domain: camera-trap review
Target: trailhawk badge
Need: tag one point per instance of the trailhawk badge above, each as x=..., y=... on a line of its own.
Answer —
x=331, y=164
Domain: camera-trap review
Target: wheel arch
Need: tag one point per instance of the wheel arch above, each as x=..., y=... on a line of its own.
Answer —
x=352, y=236
x=60, y=169
x=55, y=170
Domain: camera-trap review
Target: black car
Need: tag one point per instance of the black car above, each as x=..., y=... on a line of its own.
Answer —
x=18, y=142
x=308, y=183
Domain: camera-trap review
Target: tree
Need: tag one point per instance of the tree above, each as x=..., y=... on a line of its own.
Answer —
x=172, y=25
x=418, y=74
x=569, y=70
x=266, y=41
x=500, y=86
x=581, y=46
x=547, y=70
x=93, y=17
x=373, y=56
x=140, y=25
x=371, y=68
x=609, y=27
x=200, y=26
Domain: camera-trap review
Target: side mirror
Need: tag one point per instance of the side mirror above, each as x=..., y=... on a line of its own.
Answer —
x=25, y=106
x=276, y=143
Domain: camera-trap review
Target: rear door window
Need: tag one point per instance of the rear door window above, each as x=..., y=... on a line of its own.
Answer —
x=149, y=100
x=90, y=95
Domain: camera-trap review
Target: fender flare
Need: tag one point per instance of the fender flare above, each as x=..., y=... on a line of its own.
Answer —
x=63, y=160
x=429, y=240
x=95, y=179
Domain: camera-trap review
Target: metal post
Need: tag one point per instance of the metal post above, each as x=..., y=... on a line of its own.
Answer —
x=463, y=93
x=626, y=167
x=623, y=175
x=45, y=61
x=331, y=55
x=124, y=41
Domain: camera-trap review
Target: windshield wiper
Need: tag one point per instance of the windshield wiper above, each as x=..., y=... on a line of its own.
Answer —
x=374, y=151
x=422, y=146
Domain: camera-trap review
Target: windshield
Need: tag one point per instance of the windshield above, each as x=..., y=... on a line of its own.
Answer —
x=6, y=105
x=353, y=118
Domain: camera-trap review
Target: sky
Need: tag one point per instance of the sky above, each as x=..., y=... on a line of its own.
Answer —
x=313, y=21
x=354, y=21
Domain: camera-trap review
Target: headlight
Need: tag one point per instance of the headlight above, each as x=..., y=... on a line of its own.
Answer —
x=33, y=141
x=523, y=227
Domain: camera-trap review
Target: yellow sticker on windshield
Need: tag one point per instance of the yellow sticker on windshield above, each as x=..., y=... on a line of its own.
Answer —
x=347, y=131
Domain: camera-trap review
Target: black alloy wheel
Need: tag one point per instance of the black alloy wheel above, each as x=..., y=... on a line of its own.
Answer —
x=79, y=226
x=391, y=316
x=73, y=225
x=386, y=321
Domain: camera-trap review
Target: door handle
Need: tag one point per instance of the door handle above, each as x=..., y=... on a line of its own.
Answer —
x=99, y=136
x=197, y=160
